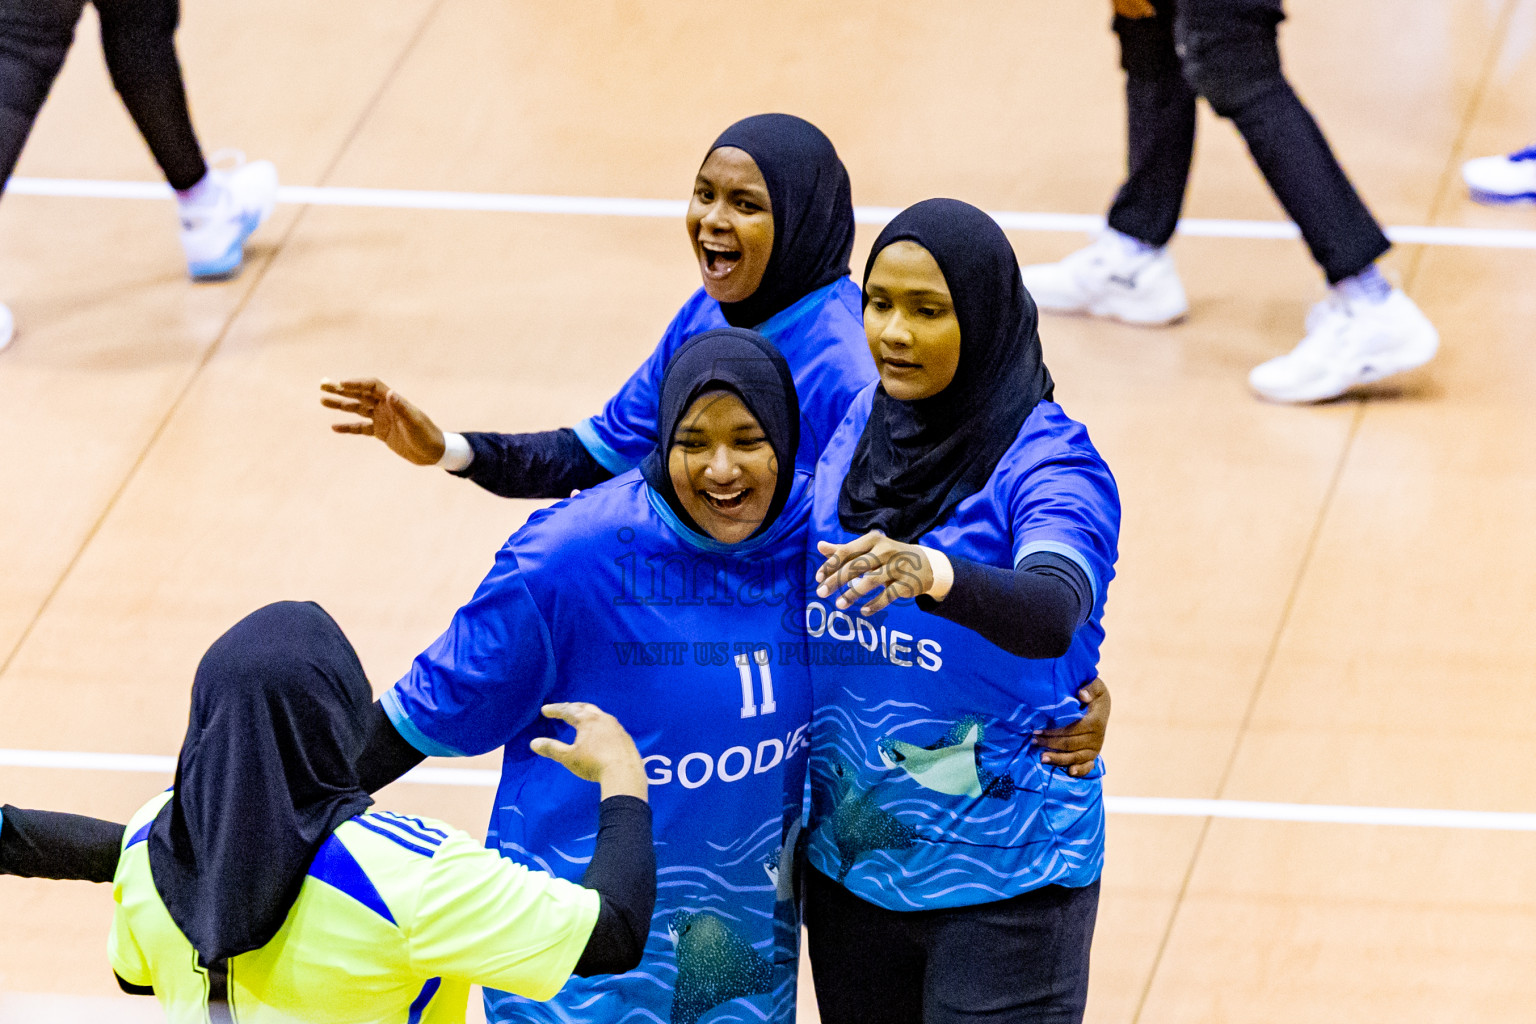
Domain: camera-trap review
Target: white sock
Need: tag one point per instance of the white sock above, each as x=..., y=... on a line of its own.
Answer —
x=205, y=193
x=1130, y=244
x=1369, y=287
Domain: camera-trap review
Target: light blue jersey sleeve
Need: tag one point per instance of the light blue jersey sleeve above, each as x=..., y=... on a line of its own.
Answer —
x=622, y=434
x=1068, y=505
x=485, y=678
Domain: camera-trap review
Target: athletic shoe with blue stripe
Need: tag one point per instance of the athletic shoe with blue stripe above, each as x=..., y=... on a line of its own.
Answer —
x=1502, y=179
x=213, y=234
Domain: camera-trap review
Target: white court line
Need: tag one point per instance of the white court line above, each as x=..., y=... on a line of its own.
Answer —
x=1330, y=814
x=1158, y=806
x=603, y=206
x=55, y=1008
x=156, y=764
x=61, y=1008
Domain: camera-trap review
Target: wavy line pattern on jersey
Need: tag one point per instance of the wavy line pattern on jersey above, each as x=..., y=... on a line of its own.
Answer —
x=677, y=870
x=770, y=828
x=896, y=826
x=766, y=843
x=649, y=994
x=527, y=856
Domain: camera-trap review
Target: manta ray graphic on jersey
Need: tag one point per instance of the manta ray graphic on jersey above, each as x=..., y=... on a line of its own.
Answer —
x=859, y=825
x=784, y=857
x=781, y=868
x=714, y=965
x=949, y=765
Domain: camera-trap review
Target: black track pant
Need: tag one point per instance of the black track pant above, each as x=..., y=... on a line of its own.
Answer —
x=1017, y=961
x=1226, y=51
x=137, y=37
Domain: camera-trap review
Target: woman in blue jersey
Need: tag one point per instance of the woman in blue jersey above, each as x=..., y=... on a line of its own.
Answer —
x=670, y=597
x=771, y=223
x=954, y=873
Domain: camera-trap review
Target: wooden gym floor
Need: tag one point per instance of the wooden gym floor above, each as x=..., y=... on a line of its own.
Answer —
x=1316, y=606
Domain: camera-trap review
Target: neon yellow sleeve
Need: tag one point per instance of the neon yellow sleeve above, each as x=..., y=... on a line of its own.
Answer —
x=484, y=919
x=123, y=951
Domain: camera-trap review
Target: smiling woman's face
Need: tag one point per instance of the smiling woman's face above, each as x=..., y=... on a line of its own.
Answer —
x=730, y=222
x=910, y=322
x=722, y=467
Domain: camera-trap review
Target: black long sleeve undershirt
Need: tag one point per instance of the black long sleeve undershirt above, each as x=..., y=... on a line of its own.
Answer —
x=387, y=755
x=1031, y=611
x=47, y=844
x=623, y=871
x=550, y=464
x=623, y=867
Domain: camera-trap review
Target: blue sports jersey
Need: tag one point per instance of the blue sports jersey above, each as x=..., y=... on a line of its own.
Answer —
x=821, y=337
x=693, y=645
x=925, y=789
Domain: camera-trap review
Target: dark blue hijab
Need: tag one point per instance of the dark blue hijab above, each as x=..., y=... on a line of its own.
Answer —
x=812, y=211
x=748, y=365
x=917, y=460
x=265, y=775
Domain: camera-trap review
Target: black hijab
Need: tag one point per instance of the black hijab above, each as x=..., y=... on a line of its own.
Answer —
x=917, y=460
x=812, y=211
x=746, y=364
x=265, y=775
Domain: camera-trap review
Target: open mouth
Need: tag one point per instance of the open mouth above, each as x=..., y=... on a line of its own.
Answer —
x=731, y=501
x=719, y=261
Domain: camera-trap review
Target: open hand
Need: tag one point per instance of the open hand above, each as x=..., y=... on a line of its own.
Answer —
x=873, y=564
x=602, y=751
x=386, y=415
x=1075, y=747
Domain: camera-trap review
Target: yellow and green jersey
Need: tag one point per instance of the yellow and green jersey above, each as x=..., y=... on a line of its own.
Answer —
x=396, y=919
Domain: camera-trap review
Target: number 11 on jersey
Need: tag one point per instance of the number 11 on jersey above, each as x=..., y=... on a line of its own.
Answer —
x=749, y=706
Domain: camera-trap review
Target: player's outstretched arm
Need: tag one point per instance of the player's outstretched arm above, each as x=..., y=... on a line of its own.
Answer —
x=387, y=755
x=48, y=844
x=623, y=867
x=1075, y=747
x=385, y=414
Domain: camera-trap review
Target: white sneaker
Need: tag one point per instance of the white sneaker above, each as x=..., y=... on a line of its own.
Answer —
x=1502, y=179
x=1349, y=344
x=213, y=232
x=7, y=325
x=1111, y=278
